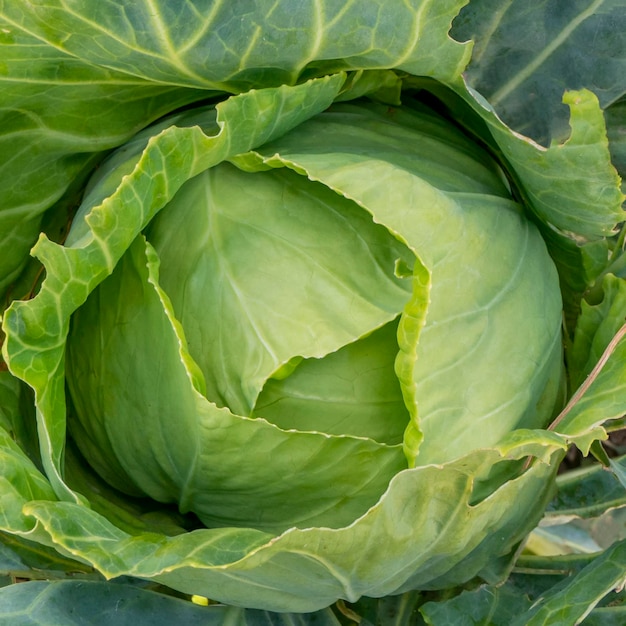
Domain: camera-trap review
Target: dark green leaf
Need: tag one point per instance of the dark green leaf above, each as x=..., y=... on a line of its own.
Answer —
x=76, y=603
x=47, y=141
x=528, y=53
x=485, y=606
x=588, y=492
x=400, y=610
x=571, y=601
x=616, y=128
x=547, y=591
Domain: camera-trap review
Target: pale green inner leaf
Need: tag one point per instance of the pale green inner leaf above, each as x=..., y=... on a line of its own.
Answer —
x=263, y=267
x=352, y=391
x=158, y=435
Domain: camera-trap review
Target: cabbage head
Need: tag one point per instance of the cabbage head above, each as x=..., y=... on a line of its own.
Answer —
x=303, y=339
x=303, y=323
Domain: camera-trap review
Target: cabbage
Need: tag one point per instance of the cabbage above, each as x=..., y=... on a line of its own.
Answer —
x=361, y=326
x=304, y=339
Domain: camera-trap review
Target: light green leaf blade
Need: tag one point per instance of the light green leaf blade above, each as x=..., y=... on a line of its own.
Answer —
x=352, y=391
x=462, y=334
x=279, y=266
x=527, y=54
x=269, y=44
x=304, y=570
x=34, y=347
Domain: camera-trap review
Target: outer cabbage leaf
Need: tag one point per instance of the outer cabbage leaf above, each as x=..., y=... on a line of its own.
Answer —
x=303, y=570
x=570, y=599
x=73, y=603
x=528, y=54
x=170, y=159
x=253, y=44
x=572, y=187
x=48, y=141
x=109, y=69
x=586, y=493
x=584, y=157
